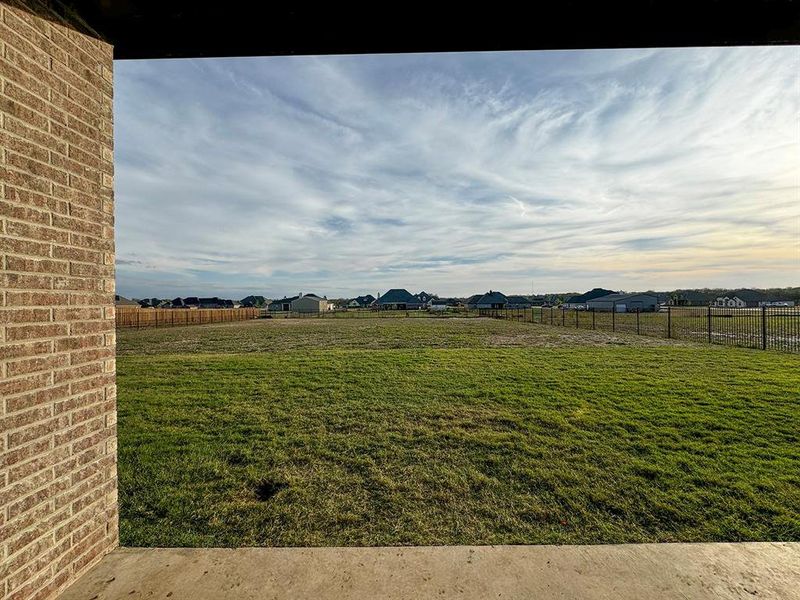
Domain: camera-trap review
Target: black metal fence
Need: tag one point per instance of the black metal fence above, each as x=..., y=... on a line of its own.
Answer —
x=766, y=327
x=366, y=313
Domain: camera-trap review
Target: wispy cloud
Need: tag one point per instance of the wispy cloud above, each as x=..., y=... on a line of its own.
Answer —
x=458, y=172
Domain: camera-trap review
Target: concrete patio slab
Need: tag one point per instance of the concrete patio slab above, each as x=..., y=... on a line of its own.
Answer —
x=646, y=571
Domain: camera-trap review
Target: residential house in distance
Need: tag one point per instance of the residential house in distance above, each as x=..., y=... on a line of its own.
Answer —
x=740, y=299
x=624, y=303
x=689, y=298
x=472, y=301
x=215, y=302
x=361, y=301
x=518, y=302
x=492, y=299
x=424, y=297
x=398, y=299
x=580, y=301
x=125, y=302
x=191, y=302
x=282, y=305
x=154, y=303
x=538, y=301
x=778, y=303
x=309, y=303
x=441, y=304
x=253, y=301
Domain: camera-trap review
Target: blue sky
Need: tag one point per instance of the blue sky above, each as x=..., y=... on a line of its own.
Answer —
x=456, y=173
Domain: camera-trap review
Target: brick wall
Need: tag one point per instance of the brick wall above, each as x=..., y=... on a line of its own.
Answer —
x=58, y=480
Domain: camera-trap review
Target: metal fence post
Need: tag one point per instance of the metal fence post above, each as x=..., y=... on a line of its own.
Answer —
x=709, y=324
x=669, y=321
x=763, y=327
x=614, y=317
x=637, y=322
x=593, y=323
x=563, y=316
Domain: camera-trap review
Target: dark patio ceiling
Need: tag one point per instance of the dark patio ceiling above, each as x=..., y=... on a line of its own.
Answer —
x=185, y=28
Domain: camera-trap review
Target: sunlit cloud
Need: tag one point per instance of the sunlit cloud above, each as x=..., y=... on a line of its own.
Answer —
x=454, y=173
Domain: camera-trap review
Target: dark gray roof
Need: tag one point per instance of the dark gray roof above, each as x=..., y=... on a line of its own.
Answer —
x=123, y=301
x=745, y=295
x=590, y=295
x=518, y=299
x=398, y=296
x=620, y=297
x=493, y=298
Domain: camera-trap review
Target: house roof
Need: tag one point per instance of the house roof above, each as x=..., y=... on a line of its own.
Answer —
x=493, y=298
x=745, y=295
x=284, y=300
x=123, y=301
x=397, y=296
x=312, y=296
x=474, y=299
x=620, y=297
x=518, y=299
x=590, y=295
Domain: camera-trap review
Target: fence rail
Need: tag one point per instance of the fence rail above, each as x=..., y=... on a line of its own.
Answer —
x=766, y=328
x=134, y=318
x=366, y=313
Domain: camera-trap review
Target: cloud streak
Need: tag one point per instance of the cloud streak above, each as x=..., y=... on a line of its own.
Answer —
x=550, y=171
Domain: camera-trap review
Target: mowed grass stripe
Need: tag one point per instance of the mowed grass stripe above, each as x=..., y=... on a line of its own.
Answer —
x=478, y=445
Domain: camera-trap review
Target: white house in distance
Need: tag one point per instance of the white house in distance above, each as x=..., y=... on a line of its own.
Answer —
x=310, y=303
x=747, y=299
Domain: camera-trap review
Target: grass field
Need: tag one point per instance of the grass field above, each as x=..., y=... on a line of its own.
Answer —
x=450, y=431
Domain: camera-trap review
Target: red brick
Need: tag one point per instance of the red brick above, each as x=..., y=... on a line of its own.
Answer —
x=19, y=385
x=11, y=351
x=24, y=315
x=39, y=363
x=76, y=343
x=21, y=281
x=77, y=254
x=86, y=370
x=86, y=327
x=36, y=398
x=36, y=298
x=18, y=246
x=36, y=431
x=31, y=332
x=36, y=265
x=37, y=232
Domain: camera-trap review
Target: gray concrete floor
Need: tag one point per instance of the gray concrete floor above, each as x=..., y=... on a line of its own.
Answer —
x=646, y=571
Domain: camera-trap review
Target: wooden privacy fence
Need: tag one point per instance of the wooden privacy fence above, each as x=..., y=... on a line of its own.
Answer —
x=168, y=317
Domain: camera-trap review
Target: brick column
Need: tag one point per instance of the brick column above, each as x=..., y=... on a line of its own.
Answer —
x=58, y=478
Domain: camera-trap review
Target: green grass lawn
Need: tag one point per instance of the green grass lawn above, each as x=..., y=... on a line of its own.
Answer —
x=450, y=431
